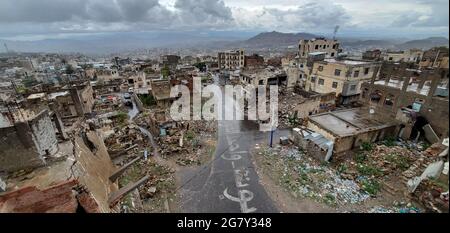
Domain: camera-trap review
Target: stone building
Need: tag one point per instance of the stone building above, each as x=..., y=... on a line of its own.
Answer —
x=423, y=95
x=330, y=47
x=435, y=58
x=231, y=60
x=26, y=142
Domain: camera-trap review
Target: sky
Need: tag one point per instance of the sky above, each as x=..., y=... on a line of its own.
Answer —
x=47, y=19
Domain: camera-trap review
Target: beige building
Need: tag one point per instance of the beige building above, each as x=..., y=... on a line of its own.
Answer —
x=412, y=55
x=231, y=60
x=344, y=77
x=331, y=47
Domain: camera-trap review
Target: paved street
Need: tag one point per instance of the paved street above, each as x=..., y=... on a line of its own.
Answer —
x=229, y=183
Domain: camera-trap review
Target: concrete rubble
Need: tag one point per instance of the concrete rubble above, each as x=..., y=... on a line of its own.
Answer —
x=306, y=177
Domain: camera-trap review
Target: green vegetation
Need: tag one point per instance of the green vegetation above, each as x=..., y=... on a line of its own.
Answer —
x=69, y=69
x=29, y=81
x=366, y=146
x=399, y=161
x=368, y=170
x=360, y=157
x=21, y=90
x=122, y=117
x=165, y=71
x=371, y=187
x=201, y=66
x=389, y=141
x=147, y=100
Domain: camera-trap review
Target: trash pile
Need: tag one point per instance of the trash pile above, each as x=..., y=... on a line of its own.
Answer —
x=397, y=207
x=305, y=177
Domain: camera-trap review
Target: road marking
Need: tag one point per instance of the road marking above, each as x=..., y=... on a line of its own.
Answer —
x=244, y=197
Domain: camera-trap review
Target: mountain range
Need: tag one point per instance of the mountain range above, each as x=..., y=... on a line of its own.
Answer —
x=121, y=42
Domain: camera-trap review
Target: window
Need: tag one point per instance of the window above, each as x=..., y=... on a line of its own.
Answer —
x=332, y=54
x=321, y=81
x=366, y=71
x=334, y=85
x=320, y=68
x=389, y=101
x=261, y=82
x=337, y=72
x=317, y=46
x=313, y=79
x=353, y=87
x=356, y=74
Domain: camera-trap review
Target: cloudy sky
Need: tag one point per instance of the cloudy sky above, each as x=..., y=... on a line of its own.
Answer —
x=38, y=19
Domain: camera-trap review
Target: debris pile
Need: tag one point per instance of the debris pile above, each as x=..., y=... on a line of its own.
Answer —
x=397, y=207
x=156, y=190
x=305, y=177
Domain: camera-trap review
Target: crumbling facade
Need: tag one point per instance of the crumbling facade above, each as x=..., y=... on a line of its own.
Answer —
x=25, y=144
x=231, y=60
x=424, y=93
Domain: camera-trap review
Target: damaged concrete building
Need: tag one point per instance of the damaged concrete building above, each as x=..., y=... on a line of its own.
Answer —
x=27, y=141
x=349, y=128
x=416, y=98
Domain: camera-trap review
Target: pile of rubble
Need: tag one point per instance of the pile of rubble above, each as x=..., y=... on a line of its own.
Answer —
x=125, y=137
x=305, y=177
x=154, y=192
x=379, y=161
x=287, y=115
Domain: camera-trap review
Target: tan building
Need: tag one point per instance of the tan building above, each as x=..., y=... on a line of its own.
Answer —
x=344, y=77
x=331, y=47
x=412, y=55
x=231, y=60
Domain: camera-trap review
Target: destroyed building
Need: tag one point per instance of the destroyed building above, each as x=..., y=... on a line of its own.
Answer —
x=27, y=141
x=417, y=99
x=266, y=76
x=231, y=60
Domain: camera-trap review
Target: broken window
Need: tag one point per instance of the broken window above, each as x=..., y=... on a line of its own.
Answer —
x=320, y=68
x=313, y=79
x=332, y=54
x=389, y=101
x=321, y=81
x=356, y=74
x=375, y=97
x=334, y=85
x=317, y=46
x=353, y=87
x=337, y=72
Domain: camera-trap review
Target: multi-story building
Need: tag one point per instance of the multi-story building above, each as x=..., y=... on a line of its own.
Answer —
x=435, y=57
x=344, y=77
x=412, y=55
x=231, y=60
x=330, y=47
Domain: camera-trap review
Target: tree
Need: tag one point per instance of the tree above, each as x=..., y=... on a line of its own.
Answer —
x=165, y=71
x=69, y=69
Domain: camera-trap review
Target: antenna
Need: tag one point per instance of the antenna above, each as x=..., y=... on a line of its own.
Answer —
x=335, y=31
x=6, y=47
